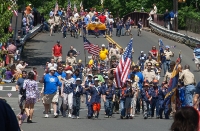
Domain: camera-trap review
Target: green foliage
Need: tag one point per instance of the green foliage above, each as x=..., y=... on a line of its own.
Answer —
x=187, y=12
x=5, y=16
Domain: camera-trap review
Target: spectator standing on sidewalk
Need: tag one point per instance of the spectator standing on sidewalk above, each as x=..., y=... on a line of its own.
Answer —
x=167, y=19
x=196, y=54
x=28, y=9
x=11, y=53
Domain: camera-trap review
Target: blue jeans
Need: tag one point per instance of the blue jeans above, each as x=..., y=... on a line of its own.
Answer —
x=166, y=66
x=122, y=108
x=189, y=92
x=122, y=31
x=109, y=105
x=154, y=104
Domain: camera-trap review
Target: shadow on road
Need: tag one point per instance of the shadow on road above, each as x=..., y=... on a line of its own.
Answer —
x=34, y=57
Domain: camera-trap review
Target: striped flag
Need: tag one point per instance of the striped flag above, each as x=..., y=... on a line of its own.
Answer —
x=81, y=6
x=91, y=48
x=56, y=8
x=173, y=82
x=75, y=9
x=123, y=67
x=15, y=12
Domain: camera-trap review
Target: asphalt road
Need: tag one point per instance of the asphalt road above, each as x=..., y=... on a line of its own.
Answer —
x=38, y=51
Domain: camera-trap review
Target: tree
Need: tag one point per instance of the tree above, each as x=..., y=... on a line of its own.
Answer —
x=5, y=17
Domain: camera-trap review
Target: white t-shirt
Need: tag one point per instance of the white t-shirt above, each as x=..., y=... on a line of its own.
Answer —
x=52, y=65
x=76, y=15
x=155, y=9
x=19, y=67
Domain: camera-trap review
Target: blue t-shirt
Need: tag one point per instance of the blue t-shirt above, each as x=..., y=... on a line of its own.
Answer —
x=197, y=52
x=62, y=74
x=51, y=83
x=20, y=83
x=140, y=77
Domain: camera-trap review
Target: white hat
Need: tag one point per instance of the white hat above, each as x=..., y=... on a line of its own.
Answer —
x=69, y=72
x=29, y=4
x=142, y=51
x=52, y=68
x=103, y=45
x=90, y=75
x=96, y=79
x=105, y=77
x=78, y=79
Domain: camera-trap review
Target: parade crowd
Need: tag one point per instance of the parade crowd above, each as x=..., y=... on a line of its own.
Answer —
x=67, y=85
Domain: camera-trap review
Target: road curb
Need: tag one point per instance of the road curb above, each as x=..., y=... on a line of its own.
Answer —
x=10, y=88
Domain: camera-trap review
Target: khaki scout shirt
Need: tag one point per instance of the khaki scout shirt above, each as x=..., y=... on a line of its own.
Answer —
x=149, y=75
x=167, y=76
x=168, y=55
x=71, y=60
x=153, y=62
x=113, y=52
x=187, y=77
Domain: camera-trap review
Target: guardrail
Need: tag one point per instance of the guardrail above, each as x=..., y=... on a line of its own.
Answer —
x=178, y=37
x=31, y=33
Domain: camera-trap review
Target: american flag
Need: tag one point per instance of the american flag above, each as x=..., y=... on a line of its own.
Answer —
x=92, y=49
x=123, y=67
x=56, y=8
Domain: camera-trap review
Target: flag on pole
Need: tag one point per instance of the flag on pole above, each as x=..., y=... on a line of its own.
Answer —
x=15, y=12
x=75, y=9
x=81, y=6
x=91, y=48
x=123, y=67
x=56, y=8
x=68, y=5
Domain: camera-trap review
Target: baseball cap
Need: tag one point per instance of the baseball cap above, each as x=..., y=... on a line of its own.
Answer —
x=142, y=51
x=90, y=75
x=167, y=46
x=103, y=45
x=105, y=77
x=78, y=79
x=69, y=72
x=96, y=79
x=52, y=69
x=58, y=41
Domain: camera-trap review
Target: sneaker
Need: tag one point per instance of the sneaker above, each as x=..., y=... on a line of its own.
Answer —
x=73, y=117
x=105, y=116
x=77, y=117
x=46, y=116
x=55, y=115
x=69, y=115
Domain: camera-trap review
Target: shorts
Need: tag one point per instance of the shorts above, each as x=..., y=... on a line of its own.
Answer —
x=50, y=98
x=129, y=103
x=57, y=58
x=96, y=106
x=197, y=60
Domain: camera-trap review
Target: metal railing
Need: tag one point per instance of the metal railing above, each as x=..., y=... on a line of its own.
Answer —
x=178, y=37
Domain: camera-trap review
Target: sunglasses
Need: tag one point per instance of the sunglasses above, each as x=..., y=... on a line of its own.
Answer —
x=149, y=65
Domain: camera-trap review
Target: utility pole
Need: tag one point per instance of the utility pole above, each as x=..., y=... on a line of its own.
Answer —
x=175, y=8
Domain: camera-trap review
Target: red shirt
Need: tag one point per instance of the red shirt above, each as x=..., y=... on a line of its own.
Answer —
x=57, y=50
x=154, y=52
x=102, y=18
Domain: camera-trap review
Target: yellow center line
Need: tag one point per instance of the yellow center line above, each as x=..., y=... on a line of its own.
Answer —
x=112, y=41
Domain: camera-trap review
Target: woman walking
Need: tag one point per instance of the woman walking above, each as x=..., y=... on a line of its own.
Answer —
x=32, y=95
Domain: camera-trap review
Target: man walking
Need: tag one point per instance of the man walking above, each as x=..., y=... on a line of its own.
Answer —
x=57, y=51
x=189, y=81
x=51, y=83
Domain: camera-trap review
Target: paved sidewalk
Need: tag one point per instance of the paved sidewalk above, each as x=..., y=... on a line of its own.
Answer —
x=188, y=33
